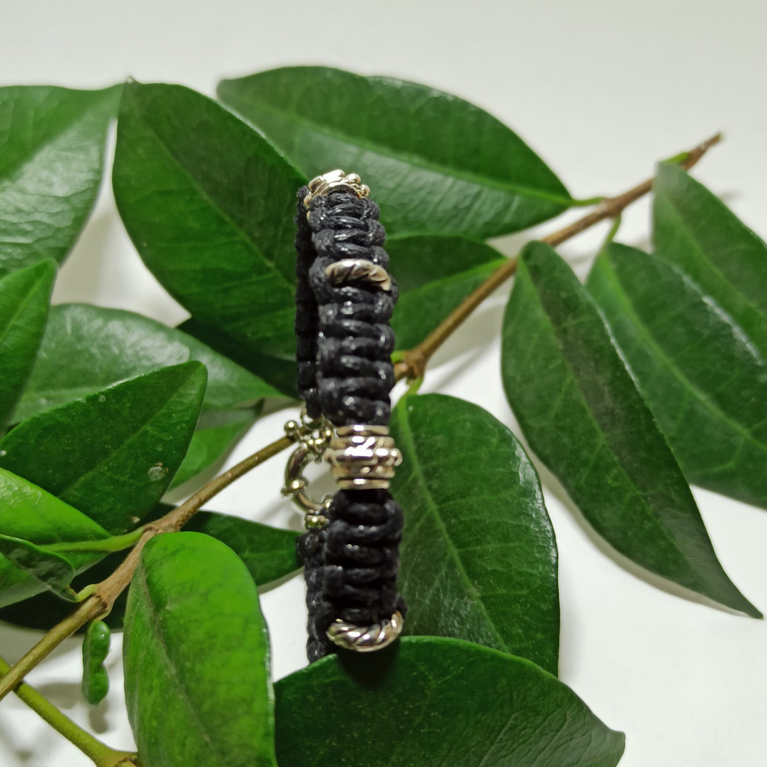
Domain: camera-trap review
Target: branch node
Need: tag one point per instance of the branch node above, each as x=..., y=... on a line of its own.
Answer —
x=415, y=362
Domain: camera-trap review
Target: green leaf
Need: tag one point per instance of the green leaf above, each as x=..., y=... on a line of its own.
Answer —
x=24, y=300
x=196, y=656
x=701, y=376
x=268, y=553
x=434, y=162
x=479, y=559
x=216, y=432
x=86, y=348
x=276, y=372
x=112, y=455
x=434, y=274
x=51, y=161
x=95, y=685
x=52, y=570
x=33, y=524
x=436, y=702
x=693, y=229
x=581, y=412
x=43, y=611
x=209, y=204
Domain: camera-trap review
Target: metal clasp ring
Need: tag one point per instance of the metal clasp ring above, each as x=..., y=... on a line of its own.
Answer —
x=312, y=438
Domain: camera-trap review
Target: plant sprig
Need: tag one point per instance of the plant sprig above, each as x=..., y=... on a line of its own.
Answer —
x=412, y=366
x=110, y=409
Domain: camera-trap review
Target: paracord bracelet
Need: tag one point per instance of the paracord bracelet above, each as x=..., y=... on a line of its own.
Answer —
x=344, y=301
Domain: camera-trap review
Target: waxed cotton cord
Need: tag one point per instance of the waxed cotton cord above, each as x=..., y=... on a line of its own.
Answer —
x=345, y=372
x=310, y=545
x=307, y=320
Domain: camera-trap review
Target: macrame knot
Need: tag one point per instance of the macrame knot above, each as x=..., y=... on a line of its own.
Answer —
x=345, y=372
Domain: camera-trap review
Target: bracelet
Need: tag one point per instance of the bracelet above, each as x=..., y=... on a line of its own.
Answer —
x=344, y=300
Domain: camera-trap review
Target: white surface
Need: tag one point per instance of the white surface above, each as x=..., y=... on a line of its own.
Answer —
x=601, y=90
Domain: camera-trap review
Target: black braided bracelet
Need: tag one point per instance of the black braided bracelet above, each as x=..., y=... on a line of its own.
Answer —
x=344, y=301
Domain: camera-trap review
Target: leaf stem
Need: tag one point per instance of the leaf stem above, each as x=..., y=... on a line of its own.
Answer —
x=413, y=362
x=99, y=753
x=107, y=545
x=105, y=594
x=587, y=202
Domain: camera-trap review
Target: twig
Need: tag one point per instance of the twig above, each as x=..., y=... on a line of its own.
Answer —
x=413, y=363
x=99, y=753
x=102, y=599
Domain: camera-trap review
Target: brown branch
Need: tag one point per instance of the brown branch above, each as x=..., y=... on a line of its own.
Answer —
x=413, y=363
x=105, y=594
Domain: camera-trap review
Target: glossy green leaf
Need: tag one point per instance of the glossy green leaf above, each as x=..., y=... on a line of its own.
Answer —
x=702, y=377
x=51, y=160
x=24, y=300
x=280, y=373
x=216, y=432
x=196, y=656
x=268, y=553
x=53, y=571
x=434, y=702
x=43, y=611
x=95, y=685
x=582, y=414
x=52, y=531
x=112, y=455
x=434, y=274
x=86, y=348
x=695, y=230
x=209, y=204
x=434, y=162
x=479, y=559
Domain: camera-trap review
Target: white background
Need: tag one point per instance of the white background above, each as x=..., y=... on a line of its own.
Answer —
x=601, y=90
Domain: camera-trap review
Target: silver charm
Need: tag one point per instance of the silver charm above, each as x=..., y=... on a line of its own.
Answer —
x=363, y=457
x=354, y=269
x=365, y=638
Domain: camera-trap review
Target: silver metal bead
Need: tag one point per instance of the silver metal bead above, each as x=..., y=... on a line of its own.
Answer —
x=293, y=430
x=358, y=270
x=315, y=521
x=335, y=180
x=363, y=457
x=366, y=638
